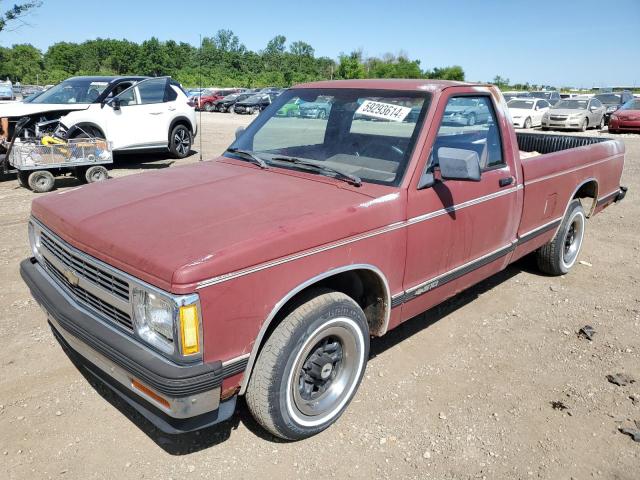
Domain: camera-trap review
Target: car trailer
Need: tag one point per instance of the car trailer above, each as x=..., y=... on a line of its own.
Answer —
x=37, y=161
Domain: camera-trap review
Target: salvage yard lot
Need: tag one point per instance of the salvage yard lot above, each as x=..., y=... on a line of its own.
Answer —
x=465, y=391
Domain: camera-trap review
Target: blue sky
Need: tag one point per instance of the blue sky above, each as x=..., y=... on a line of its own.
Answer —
x=578, y=43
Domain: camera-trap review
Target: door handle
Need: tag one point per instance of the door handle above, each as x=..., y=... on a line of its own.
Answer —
x=503, y=182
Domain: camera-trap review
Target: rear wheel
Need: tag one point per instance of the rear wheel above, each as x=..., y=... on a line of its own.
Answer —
x=558, y=256
x=41, y=181
x=96, y=173
x=180, y=141
x=208, y=107
x=310, y=367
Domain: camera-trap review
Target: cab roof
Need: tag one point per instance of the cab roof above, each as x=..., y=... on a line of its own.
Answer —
x=390, y=84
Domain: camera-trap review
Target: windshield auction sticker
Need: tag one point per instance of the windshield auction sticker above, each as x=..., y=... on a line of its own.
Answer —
x=386, y=111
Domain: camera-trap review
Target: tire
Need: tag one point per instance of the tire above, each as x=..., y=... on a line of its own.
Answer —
x=321, y=114
x=208, y=107
x=614, y=131
x=298, y=387
x=527, y=123
x=601, y=125
x=471, y=120
x=558, y=256
x=96, y=173
x=584, y=125
x=23, y=178
x=180, y=141
x=545, y=129
x=41, y=181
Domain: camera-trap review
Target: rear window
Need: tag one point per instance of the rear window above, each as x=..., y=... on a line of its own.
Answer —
x=608, y=98
x=572, y=104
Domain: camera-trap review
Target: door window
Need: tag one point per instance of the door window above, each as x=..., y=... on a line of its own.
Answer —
x=152, y=91
x=469, y=123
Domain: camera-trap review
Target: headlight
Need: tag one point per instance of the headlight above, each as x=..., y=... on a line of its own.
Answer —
x=545, y=115
x=170, y=324
x=614, y=117
x=612, y=108
x=34, y=241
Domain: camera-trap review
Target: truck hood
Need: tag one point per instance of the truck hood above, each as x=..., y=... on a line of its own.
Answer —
x=21, y=109
x=177, y=227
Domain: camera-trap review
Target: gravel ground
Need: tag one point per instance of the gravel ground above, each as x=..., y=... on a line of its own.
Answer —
x=495, y=383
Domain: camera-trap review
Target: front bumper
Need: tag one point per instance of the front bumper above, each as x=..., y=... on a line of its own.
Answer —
x=569, y=124
x=175, y=398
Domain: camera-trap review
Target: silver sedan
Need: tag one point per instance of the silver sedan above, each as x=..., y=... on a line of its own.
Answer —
x=575, y=114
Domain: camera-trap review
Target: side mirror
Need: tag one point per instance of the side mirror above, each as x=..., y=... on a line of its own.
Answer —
x=115, y=103
x=459, y=164
x=239, y=132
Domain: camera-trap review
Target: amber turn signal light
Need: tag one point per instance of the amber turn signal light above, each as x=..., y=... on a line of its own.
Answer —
x=189, y=330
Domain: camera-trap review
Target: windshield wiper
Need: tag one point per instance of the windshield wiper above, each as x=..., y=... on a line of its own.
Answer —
x=353, y=179
x=247, y=154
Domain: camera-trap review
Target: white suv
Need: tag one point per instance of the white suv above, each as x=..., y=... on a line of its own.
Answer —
x=133, y=113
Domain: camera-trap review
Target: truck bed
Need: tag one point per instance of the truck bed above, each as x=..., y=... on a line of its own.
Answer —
x=567, y=167
x=544, y=143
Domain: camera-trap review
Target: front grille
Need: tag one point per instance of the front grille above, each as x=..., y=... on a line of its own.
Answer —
x=91, y=300
x=82, y=267
x=561, y=118
x=99, y=283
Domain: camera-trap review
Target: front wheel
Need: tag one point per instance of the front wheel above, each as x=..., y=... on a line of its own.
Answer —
x=601, y=124
x=208, y=107
x=471, y=120
x=558, y=256
x=527, y=123
x=180, y=141
x=310, y=367
x=41, y=181
x=584, y=125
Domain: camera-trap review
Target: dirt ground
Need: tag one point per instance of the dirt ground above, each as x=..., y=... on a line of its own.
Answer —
x=464, y=391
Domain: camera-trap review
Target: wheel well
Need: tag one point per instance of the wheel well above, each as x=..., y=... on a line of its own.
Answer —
x=90, y=128
x=367, y=287
x=179, y=121
x=588, y=190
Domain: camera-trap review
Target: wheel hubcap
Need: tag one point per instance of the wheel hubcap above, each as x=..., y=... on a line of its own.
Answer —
x=182, y=142
x=325, y=372
x=572, y=240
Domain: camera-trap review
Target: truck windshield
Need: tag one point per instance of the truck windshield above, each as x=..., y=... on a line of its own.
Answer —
x=365, y=133
x=78, y=90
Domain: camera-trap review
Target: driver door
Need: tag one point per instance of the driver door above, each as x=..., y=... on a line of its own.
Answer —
x=461, y=231
x=142, y=121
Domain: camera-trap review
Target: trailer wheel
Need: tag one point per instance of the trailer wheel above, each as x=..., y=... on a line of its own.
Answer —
x=311, y=366
x=96, y=173
x=41, y=181
x=558, y=256
x=23, y=178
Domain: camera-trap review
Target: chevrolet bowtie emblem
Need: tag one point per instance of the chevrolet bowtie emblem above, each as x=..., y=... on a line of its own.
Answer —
x=71, y=277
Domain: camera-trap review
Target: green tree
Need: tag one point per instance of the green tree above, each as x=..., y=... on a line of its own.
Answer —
x=24, y=63
x=500, y=82
x=351, y=66
x=301, y=49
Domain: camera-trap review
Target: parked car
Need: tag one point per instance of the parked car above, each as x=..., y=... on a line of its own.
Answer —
x=290, y=109
x=613, y=101
x=510, y=95
x=207, y=100
x=6, y=91
x=551, y=96
x=272, y=286
x=626, y=117
x=31, y=90
x=225, y=104
x=133, y=113
x=575, y=114
x=527, y=112
x=466, y=111
x=254, y=104
x=317, y=109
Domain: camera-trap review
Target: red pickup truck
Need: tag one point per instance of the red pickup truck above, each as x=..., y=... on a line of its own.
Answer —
x=265, y=272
